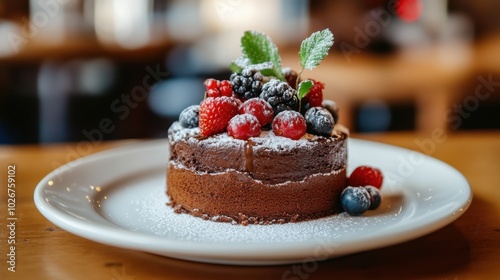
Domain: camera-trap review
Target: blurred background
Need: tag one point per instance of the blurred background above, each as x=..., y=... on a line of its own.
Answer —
x=73, y=70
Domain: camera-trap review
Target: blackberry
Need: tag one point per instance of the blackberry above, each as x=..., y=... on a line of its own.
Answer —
x=248, y=84
x=280, y=96
x=319, y=121
x=189, y=116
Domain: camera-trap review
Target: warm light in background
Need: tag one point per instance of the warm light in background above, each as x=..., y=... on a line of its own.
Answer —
x=125, y=23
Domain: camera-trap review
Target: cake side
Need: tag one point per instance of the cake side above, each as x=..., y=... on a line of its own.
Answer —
x=233, y=196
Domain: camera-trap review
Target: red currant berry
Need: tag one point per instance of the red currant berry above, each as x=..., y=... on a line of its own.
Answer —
x=243, y=127
x=259, y=108
x=366, y=176
x=211, y=84
x=213, y=93
x=290, y=124
x=225, y=88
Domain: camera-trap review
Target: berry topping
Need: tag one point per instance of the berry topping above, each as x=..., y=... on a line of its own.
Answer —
x=280, y=95
x=366, y=176
x=319, y=121
x=355, y=201
x=291, y=77
x=217, y=88
x=243, y=126
x=215, y=114
x=189, y=116
x=375, y=197
x=290, y=124
x=248, y=84
x=259, y=108
x=315, y=96
x=332, y=107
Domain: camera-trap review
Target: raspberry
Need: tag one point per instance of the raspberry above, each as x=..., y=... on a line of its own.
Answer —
x=280, y=95
x=290, y=124
x=259, y=108
x=315, y=95
x=215, y=114
x=366, y=176
x=248, y=84
x=189, y=116
x=319, y=121
x=243, y=126
x=217, y=88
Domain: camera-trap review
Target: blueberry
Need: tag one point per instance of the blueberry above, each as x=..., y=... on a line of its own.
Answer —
x=189, y=116
x=355, y=200
x=319, y=121
x=333, y=108
x=375, y=197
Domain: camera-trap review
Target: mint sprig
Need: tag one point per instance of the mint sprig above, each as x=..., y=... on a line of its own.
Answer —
x=259, y=52
x=259, y=48
x=314, y=49
x=304, y=88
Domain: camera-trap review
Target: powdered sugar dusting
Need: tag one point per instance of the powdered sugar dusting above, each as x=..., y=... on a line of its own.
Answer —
x=266, y=140
x=147, y=212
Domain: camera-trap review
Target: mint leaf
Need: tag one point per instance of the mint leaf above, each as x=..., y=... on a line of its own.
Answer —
x=315, y=48
x=304, y=88
x=239, y=64
x=259, y=48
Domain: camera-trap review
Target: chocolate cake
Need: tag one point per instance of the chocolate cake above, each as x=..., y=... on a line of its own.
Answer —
x=262, y=147
x=262, y=180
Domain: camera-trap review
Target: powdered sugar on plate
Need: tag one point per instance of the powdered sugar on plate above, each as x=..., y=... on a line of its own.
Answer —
x=146, y=211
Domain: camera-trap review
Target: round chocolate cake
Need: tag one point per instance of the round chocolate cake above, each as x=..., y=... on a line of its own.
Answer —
x=262, y=180
x=262, y=147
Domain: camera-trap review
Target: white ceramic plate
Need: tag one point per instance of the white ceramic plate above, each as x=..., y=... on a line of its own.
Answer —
x=117, y=197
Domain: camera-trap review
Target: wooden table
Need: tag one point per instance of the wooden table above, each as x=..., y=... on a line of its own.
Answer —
x=469, y=248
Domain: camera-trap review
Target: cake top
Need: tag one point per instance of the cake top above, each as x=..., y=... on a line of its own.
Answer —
x=262, y=99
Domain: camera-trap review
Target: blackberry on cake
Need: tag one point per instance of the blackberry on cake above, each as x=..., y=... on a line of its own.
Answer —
x=280, y=95
x=247, y=84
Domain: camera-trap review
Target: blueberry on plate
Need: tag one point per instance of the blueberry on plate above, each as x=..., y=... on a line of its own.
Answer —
x=355, y=200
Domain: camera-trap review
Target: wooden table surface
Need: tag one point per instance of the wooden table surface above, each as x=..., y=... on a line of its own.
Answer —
x=469, y=248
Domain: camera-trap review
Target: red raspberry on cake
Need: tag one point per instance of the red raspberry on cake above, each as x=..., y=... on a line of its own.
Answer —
x=366, y=176
x=315, y=95
x=215, y=113
x=259, y=108
x=243, y=127
x=290, y=124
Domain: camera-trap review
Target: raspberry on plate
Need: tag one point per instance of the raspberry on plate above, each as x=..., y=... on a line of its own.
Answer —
x=259, y=108
x=366, y=176
x=215, y=113
x=290, y=124
x=243, y=126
